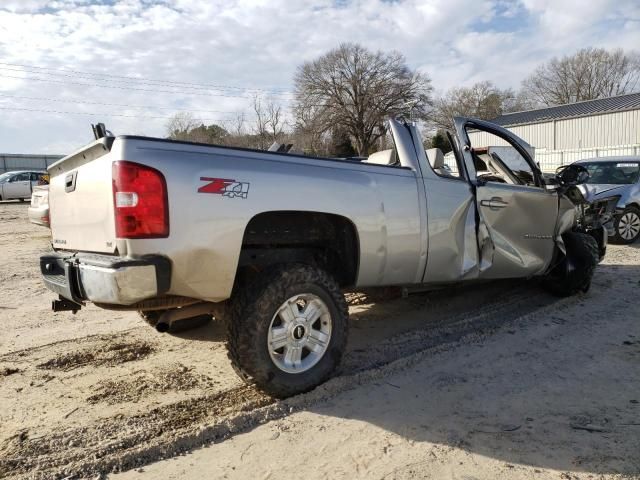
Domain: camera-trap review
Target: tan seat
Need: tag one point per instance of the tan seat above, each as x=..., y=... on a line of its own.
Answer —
x=436, y=159
x=385, y=157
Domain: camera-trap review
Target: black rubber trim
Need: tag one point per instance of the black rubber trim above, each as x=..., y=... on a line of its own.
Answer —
x=253, y=150
x=61, y=277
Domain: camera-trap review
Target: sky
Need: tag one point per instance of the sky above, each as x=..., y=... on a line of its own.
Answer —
x=132, y=64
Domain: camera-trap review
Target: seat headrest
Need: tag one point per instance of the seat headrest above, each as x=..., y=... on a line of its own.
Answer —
x=385, y=157
x=436, y=158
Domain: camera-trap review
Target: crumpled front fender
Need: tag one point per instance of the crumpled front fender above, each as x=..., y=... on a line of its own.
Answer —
x=567, y=214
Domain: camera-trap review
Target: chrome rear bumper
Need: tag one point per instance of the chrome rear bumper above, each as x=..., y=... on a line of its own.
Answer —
x=104, y=278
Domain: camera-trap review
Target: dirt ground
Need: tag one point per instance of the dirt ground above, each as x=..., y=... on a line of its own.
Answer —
x=497, y=380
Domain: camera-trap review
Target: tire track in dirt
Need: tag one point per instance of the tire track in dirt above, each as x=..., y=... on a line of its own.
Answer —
x=30, y=351
x=124, y=442
x=177, y=378
x=110, y=354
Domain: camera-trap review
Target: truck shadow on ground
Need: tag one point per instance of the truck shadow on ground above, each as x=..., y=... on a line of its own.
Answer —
x=558, y=389
x=555, y=387
x=378, y=316
x=213, y=331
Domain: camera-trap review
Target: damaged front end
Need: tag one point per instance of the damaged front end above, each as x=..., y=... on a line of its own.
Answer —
x=593, y=216
x=578, y=210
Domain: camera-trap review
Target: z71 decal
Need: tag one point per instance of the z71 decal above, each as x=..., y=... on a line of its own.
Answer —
x=225, y=187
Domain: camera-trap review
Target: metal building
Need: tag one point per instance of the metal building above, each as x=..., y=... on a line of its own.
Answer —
x=566, y=133
x=16, y=161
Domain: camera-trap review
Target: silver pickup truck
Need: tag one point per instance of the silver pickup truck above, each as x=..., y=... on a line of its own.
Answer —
x=267, y=242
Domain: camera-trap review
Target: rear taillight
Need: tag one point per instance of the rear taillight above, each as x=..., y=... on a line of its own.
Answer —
x=140, y=201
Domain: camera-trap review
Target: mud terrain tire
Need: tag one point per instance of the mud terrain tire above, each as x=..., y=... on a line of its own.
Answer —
x=573, y=274
x=253, y=310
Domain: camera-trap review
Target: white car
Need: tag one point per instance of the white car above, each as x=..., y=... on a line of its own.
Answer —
x=39, y=208
x=19, y=185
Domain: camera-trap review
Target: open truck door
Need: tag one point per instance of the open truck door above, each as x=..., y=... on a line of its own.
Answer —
x=516, y=215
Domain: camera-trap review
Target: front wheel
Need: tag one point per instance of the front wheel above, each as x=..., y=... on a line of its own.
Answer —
x=288, y=330
x=627, y=226
x=574, y=272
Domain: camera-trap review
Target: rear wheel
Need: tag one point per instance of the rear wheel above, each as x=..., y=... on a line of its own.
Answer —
x=627, y=226
x=288, y=329
x=574, y=272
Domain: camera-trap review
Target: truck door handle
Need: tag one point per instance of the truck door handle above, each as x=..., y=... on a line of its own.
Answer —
x=494, y=204
x=70, y=181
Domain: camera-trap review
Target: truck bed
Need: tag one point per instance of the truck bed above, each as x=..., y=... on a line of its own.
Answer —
x=208, y=218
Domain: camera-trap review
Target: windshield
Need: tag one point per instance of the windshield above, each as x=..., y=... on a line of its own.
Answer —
x=613, y=173
x=4, y=177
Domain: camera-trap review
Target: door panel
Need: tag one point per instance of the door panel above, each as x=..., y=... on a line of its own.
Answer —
x=14, y=188
x=520, y=222
x=453, y=246
x=516, y=219
x=25, y=189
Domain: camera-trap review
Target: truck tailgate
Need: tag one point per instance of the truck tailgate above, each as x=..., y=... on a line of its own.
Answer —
x=81, y=200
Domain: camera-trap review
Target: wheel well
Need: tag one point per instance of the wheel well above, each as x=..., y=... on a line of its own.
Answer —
x=326, y=240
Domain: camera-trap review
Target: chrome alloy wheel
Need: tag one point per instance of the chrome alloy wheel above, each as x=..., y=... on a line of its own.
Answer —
x=629, y=225
x=299, y=333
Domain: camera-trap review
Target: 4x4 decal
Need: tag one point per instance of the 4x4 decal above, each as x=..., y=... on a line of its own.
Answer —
x=225, y=187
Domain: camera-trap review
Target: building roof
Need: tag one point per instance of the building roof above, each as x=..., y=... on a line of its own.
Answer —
x=30, y=155
x=571, y=110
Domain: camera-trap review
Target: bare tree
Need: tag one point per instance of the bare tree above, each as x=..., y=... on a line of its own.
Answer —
x=308, y=132
x=261, y=128
x=275, y=120
x=237, y=131
x=183, y=126
x=270, y=121
x=357, y=89
x=482, y=100
x=180, y=124
x=588, y=74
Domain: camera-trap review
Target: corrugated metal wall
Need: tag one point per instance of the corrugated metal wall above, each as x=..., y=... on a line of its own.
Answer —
x=575, y=138
x=549, y=160
x=610, y=130
x=539, y=135
x=9, y=162
x=602, y=131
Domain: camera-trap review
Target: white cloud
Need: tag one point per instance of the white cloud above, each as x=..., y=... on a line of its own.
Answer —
x=258, y=44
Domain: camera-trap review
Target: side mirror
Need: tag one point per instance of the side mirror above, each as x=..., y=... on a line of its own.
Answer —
x=551, y=186
x=569, y=175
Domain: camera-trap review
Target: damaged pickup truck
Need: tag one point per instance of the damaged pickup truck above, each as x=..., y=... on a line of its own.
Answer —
x=267, y=241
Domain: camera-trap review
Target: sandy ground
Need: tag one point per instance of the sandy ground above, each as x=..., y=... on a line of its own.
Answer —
x=492, y=381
